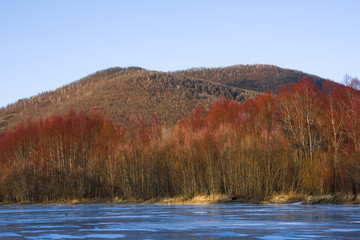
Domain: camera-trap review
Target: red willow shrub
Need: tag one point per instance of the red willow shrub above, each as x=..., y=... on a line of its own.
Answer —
x=300, y=141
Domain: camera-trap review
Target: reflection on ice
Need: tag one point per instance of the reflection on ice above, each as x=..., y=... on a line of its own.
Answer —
x=222, y=234
x=344, y=230
x=102, y=236
x=51, y=226
x=9, y=234
x=114, y=229
x=55, y=236
x=40, y=231
x=275, y=237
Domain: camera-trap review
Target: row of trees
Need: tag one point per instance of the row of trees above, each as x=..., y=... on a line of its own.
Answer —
x=300, y=140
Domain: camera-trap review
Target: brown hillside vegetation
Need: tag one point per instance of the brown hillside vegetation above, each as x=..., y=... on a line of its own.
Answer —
x=119, y=92
x=257, y=77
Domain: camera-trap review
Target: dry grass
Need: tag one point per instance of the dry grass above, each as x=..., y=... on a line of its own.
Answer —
x=332, y=199
x=338, y=199
x=284, y=198
x=201, y=199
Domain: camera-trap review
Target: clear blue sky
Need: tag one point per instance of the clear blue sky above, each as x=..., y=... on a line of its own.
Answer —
x=46, y=44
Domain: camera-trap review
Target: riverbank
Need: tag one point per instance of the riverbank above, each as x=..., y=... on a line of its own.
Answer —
x=334, y=199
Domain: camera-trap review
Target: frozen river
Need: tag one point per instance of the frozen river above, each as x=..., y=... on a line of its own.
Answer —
x=147, y=221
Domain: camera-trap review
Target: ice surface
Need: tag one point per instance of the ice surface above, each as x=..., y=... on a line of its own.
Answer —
x=149, y=221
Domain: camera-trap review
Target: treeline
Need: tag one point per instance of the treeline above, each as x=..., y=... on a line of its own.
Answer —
x=298, y=141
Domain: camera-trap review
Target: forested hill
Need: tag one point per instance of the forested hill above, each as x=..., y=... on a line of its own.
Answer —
x=298, y=142
x=119, y=92
x=252, y=77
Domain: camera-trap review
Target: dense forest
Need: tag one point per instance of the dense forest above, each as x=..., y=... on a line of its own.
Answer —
x=301, y=140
